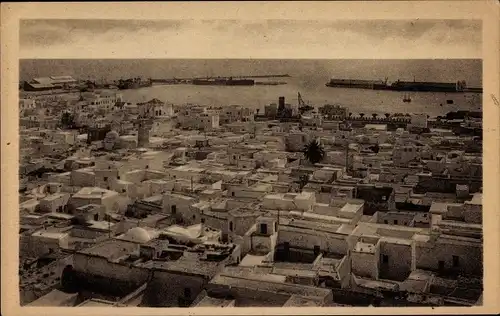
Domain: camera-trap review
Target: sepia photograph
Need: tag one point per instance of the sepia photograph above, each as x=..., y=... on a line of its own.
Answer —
x=225, y=163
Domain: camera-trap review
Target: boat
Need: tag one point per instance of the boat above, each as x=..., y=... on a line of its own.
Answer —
x=356, y=83
x=424, y=86
x=133, y=83
x=399, y=85
x=270, y=83
x=224, y=82
x=168, y=81
x=406, y=98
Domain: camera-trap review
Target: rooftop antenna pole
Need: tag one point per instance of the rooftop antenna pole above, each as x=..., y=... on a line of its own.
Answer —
x=278, y=224
x=347, y=156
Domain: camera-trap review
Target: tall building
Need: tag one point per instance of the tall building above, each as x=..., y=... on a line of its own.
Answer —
x=143, y=129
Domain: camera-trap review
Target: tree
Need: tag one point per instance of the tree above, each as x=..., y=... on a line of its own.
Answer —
x=350, y=114
x=303, y=180
x=374, y=115
x=314, y=152
x=361, y=115
x=375, y=148
x=78, y=220
x=67, y=120
x=387, y=115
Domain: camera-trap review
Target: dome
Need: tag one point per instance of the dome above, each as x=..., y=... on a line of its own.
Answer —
x=137, y=234
x=112, y=135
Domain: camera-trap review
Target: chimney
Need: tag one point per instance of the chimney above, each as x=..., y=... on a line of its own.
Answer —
x=281, y=103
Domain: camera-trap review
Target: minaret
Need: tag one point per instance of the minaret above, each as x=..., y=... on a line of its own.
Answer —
x=144, y=126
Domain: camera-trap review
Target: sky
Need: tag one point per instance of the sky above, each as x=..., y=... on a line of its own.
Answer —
x=374, y=39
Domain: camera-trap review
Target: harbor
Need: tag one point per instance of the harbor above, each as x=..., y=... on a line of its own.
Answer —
x=180, y=168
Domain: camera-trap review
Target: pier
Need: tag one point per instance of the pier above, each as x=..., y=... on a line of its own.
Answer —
x=190, y=80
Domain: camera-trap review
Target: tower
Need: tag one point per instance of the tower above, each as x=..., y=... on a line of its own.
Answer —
x=143, y=129
x=281, y=106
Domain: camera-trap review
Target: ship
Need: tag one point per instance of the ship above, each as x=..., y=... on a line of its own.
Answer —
x=399, y=85
x=270, y=83
x=133, y=83
x=224, y=82
x=425, y=86
x=356, y=83
x=406, y=98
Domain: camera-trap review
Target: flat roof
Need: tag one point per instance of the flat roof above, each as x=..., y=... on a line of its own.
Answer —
x=54, y=298
x=300, y=301
x=477, y=199
x=395, y=240
x=187, y=265
x=96, y=303
x=54, y=196
x=438, y=208
x=93, y=192
x=350, y=208
x=208, y=301
x=364, y=247
x=49, y=234
x=111, y=249
x=269, y=286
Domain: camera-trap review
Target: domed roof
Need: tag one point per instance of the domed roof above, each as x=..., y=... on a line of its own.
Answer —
x=137, y=234
x=112, y=135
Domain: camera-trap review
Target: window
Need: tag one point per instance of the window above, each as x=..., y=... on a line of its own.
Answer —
x=203, y=221
x=118, y=177
x=147, y=166
x=386, y=222
x=231, y=226
x=173, y=209
x=441, y=265
x=96, y=217
x=263, y=229
x=317, y=250
x=105, y=178
x=286, y=245
x=456, y=262
x=276, y=226
x=395, y=222
x=385, y=259
x=232, y=193
x=194, y=217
